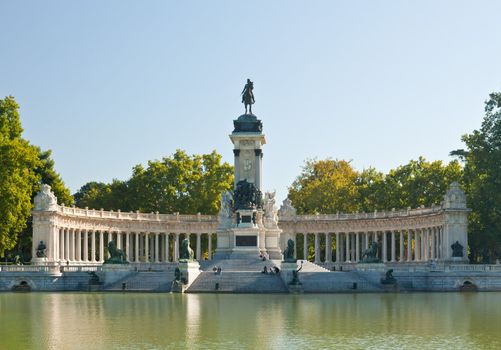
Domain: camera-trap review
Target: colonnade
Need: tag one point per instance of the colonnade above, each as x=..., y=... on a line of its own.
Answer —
x=404, y=245
x=90, y=246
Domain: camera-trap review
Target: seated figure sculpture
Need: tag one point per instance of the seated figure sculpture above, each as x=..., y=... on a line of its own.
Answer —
x=117, y=256
x=370, y=254
x=186, y=254
x=289, y=252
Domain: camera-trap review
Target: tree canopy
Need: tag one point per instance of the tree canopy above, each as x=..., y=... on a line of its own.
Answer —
x=482, y=181
x=23, y=167
x=177, y=183
x=18, y=159
x=330, y=186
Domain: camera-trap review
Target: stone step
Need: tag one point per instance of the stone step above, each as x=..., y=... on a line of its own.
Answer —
x=144, y=281
x=339, y=282
x=237, y=282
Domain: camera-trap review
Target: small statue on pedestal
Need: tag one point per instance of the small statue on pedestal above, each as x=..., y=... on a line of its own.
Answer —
x=41, y=250
x=289, y=252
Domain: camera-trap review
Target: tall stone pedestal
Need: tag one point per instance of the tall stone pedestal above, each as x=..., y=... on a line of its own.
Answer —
x=189, y=273
x=287, y=274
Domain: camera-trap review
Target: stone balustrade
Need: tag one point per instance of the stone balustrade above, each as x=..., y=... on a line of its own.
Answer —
x=75, y=236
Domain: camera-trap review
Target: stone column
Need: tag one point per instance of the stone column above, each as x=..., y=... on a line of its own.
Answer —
x=110, y=238
x=366, y=240
x=72, y=244
x=347, y=247
x=78, y=245
x=85, y=246
x=127, y=246
x=209, y=246
x=147, y=247
x=156, y=247
x=119, y=240
x=328, y=247
x=426, y=244
x=409, y=245
x=393, y=247
x=136, y=246
x=432, y=241
x=317, y=247
x=401, y=248
x=199, y=247
x=93, y=246
x=67, y=244
x=417, y=245
x=101, y=246
x=337, y=247
x=357, y=247
x=166, y=247
x=305, y=246
x=176, y=247
x=385, y=252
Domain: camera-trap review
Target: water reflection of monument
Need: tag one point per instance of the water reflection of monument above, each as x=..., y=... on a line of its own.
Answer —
x=248, y=225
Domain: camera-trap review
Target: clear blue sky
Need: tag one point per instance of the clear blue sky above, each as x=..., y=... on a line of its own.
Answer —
x=109, y=84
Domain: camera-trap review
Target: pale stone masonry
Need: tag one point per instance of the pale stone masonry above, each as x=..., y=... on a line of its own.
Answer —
x=75, y=236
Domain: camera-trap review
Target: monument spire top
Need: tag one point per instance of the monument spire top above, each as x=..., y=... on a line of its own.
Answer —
x=248, y=96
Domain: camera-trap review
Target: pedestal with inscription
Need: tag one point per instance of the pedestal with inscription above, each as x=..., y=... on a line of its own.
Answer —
x=242, y=231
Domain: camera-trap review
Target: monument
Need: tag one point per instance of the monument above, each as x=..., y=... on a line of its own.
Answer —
x=248, y=226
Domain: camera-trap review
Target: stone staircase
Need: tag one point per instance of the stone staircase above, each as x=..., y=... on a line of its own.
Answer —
x=238, y=276
x=153, y=281
x=237, y=282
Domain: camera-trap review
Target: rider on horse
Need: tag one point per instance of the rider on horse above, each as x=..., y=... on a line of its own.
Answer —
x=248, y=96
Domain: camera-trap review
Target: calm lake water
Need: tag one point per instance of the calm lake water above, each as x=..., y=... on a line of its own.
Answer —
x=173, y=321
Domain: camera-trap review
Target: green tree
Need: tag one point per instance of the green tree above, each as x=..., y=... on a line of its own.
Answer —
x=325, y=186
x=328, y=186
x=417, y=183
x=177, y=183
x=482, y=181
x=18, y=161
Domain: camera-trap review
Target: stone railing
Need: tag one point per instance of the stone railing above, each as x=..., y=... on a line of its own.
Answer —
x=93, y=213
x=372, y=215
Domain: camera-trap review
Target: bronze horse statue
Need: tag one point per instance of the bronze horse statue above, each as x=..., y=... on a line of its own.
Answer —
x=248, y=96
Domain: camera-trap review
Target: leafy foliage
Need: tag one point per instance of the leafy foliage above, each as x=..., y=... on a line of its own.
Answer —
x=23, y=168
x=18, y=159
x=482, y=181
x=329, y=186
x=178, y=183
